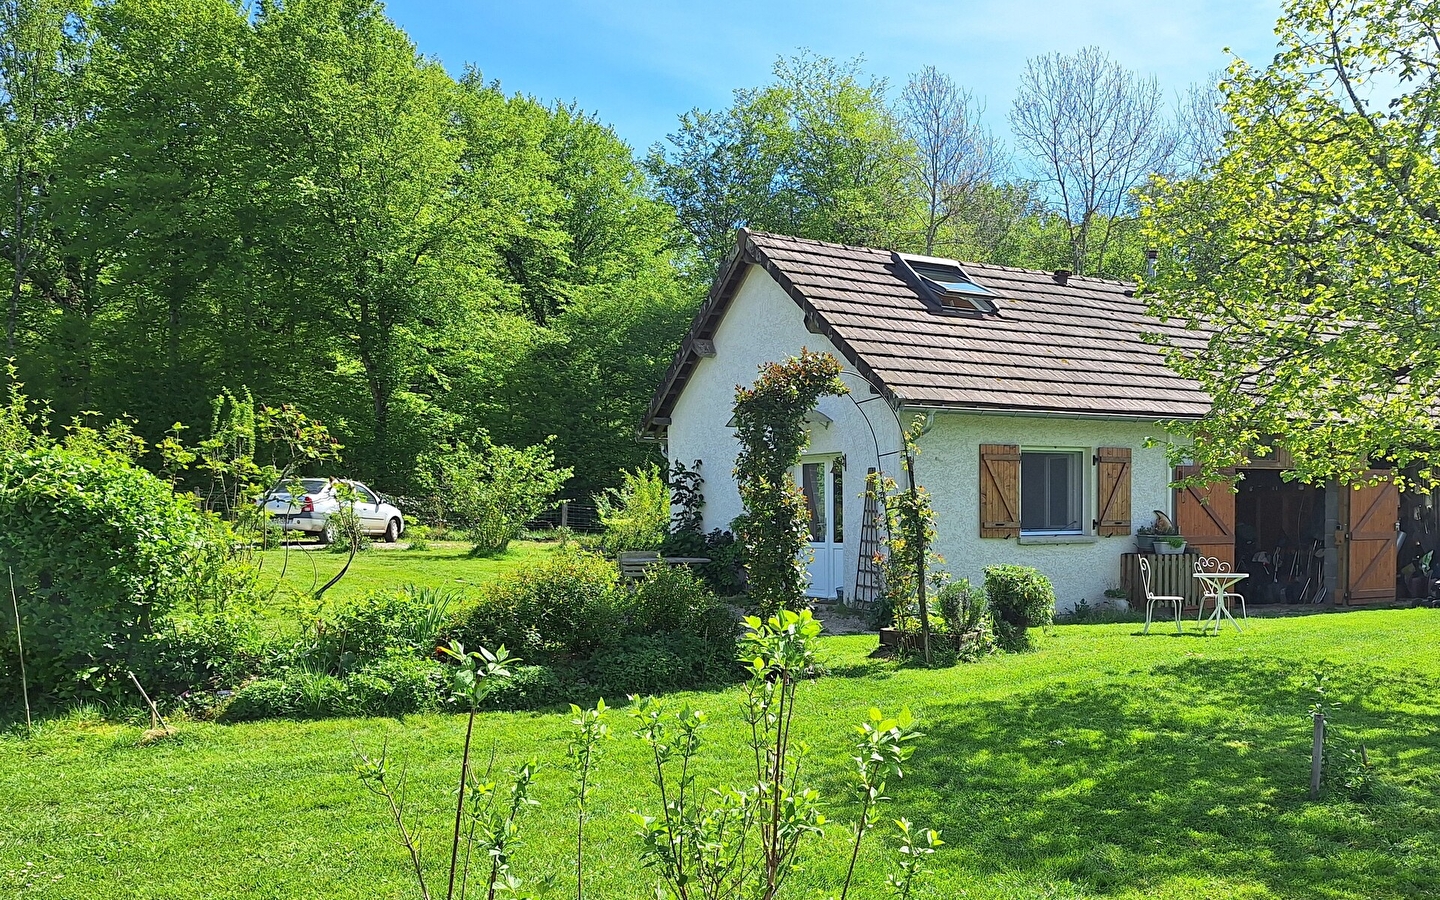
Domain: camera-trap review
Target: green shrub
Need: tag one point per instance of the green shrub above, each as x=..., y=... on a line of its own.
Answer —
x=531, y=687
x=648, y=663
x=204, y=652
x=101, y=551
x=379, y=622
x=636, y=515
x=398, y=683
x=298, y=695
x=664, y=600
x=564, y=604
x=491, y=491
x=346, y=531
x=1021, y=598
x=674, y=599
x=419, y=537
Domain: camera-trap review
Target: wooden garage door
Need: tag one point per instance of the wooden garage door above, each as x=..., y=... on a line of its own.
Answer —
x=1374, y=514
x=1206, y=518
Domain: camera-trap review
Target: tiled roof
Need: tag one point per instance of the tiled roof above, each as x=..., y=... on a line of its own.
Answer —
x=1076, y=348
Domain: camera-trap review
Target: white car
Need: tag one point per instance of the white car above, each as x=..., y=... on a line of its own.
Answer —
x=310, y=512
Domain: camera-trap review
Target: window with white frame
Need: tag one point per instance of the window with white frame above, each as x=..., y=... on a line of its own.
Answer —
x=1052, y=495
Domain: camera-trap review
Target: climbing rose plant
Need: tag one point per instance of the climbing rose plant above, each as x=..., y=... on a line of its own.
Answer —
x=769, y=417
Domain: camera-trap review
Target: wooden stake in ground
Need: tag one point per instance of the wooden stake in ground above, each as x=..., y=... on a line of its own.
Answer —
x=24, y=685
x=158, y=725
x=1317, y=756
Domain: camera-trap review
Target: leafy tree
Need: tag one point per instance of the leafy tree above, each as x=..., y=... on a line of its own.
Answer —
x=1309, y=250
x=816, y=153
x=41, y=49
x=491, y=490
x=368, y=202
x=152, y=186
x=636, y=515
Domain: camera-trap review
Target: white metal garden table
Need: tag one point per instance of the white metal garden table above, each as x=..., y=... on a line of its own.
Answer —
x=1220, y=584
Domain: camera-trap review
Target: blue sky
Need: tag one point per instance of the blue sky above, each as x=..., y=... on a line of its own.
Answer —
x=638, y=65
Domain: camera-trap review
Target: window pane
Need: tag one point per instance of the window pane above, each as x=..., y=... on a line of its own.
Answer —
x=1059, y=492
x=837, y=497
x=1033, y=510
x=1050, y=492
x=812, y=482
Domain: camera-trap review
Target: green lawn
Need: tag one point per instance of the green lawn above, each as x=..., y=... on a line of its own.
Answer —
x=303, y=568
x=1104, y=764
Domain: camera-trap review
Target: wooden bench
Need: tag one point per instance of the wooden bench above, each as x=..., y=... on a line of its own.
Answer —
x=633, y=563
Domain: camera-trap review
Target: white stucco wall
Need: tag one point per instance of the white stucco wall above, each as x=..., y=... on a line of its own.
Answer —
x=949, y=468
x=764, y=325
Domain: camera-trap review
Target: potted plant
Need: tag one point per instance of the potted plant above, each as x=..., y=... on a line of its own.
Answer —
x=1159, y=537
x=1172, y=543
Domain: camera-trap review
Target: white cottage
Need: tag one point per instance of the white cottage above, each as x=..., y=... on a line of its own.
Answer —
x=1040, y=393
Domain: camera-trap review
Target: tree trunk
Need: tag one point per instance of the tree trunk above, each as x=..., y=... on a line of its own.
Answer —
x=18, y=252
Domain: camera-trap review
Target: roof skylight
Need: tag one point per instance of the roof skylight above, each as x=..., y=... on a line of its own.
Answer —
x=945, y=282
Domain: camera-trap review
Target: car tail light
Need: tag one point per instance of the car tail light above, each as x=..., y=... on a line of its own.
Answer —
x=308, y=504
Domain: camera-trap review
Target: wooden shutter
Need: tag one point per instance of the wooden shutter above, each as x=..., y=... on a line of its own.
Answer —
x=1374, y=515
x=999, y=490
x=1206, y=517
x=1112, y=516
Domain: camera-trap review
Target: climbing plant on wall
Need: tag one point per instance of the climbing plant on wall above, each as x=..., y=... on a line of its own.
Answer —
x=769, y=418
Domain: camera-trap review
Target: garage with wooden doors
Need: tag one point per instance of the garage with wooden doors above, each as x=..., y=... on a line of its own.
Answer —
x=1299, y=544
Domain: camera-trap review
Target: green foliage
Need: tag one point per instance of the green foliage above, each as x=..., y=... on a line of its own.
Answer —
x=396, y=684
x=491, y=491
x=299, y=695
x=816, y=153
x=670, y=598
x=1309, y=247
x=101, y=552
x=417, y=537
x=531, y=687
x=907, y=523
x=769, y=425
x=746, y=841
x=881, y=748
x=564, y=604
x=1020, y=598
x=192, y=168
x=636, y=515
x=724, y=573
x=378, y=623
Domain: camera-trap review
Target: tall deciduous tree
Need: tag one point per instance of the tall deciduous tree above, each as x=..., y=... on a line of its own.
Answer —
x=956, y=156
x=816, y=153
x=1094, y=132
x=375, y=196
x=152, y=184
x=1311, y=247
x=42, y=48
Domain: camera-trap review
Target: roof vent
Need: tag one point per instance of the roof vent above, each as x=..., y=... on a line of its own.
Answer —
x=1062, y=276
x=944, y=282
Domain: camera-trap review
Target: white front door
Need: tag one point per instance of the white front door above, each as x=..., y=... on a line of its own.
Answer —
x=822, y=479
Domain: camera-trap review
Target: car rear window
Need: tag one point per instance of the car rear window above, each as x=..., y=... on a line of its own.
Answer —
x=314, y=485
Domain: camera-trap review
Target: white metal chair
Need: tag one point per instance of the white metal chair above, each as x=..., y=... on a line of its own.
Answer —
x=1204, y=564
x=1151, y=598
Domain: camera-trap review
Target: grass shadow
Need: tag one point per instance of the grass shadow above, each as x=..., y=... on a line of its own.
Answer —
x=1202, y=775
